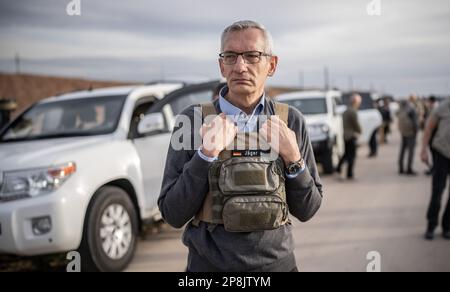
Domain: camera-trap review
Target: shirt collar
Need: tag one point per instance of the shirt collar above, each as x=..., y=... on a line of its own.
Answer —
x=230, y=110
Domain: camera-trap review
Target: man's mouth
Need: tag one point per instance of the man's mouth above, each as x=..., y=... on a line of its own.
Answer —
x=241, y=80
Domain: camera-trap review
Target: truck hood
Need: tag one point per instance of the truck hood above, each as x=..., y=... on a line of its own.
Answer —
x=316, y=119
x=43, y=153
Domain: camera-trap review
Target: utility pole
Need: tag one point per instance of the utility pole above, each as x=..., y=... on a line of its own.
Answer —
x=350, y=83
x=326, y=74
x=301, y=79
x=17, y=63
x=162, y=71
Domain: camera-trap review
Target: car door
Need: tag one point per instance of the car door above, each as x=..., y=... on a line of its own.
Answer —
x=369, y=118
x=338, y=124
x=152, y=149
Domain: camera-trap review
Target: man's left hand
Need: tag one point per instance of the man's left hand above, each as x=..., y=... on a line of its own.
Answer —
x=286, y=144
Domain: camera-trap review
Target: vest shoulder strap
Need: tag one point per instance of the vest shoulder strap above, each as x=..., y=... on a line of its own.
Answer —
x=208, y=109
x=282, y=110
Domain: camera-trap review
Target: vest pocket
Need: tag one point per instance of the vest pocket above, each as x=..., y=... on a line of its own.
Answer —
x=249, y=176
x=254, y=213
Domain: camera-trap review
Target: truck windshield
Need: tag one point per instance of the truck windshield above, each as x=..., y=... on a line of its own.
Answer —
x=66, y=118
x=309, y=106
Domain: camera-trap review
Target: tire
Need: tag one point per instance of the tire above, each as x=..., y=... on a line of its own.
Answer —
x=111, y=222
x=327, y=162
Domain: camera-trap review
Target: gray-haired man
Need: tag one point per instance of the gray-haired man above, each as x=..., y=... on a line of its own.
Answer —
x=245, y=241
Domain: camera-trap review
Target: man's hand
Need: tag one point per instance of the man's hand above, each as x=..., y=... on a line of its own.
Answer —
x=281, y=139
x=217, y=135
x=425, y=157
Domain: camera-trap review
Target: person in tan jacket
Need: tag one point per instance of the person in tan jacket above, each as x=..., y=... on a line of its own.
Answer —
x=408, y=124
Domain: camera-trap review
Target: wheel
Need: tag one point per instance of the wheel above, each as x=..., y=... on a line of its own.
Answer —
x=110, y=231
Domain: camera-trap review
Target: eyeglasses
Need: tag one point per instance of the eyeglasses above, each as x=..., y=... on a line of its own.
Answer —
x=252, y=57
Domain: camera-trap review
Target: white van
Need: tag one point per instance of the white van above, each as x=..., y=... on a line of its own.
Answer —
x=324, y=121
x=83, y=171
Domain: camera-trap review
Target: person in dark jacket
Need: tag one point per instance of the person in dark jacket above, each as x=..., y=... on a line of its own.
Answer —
x=352, y=130
x=246, y=61
x=438, y=125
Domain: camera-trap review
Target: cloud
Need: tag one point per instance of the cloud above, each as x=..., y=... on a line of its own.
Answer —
x=403, y=50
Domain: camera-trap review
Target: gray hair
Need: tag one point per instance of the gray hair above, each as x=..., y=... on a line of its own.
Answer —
x=248, y=24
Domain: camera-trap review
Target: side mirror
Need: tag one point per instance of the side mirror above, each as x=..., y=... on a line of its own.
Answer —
x=341, y=109
x=151, y=123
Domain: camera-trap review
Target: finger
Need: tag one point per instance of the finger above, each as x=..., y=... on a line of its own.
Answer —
x=222, y=116
x=278, y=120
x=265, y=135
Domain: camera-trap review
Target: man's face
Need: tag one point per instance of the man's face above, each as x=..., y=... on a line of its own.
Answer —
x=243, y=78
x=357, y=101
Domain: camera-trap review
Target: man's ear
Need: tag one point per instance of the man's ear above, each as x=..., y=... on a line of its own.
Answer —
x=273, y=65
x=222, y=69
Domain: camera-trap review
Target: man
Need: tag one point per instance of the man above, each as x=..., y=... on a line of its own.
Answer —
x=419, y=107
x=373, y=142
x=385, y=111
x=439, y=122
x=246, y=61
x=352, y=130
x=408, y=123
x=431, y=105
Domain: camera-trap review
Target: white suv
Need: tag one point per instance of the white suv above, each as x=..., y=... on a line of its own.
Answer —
x=324, y=121
x=83, y=171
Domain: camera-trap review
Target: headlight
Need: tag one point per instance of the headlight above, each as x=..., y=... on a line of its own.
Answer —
x=318, y=129
x=35, y=182
x=325, y=128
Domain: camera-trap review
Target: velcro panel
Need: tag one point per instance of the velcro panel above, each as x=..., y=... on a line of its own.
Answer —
x=250, y=178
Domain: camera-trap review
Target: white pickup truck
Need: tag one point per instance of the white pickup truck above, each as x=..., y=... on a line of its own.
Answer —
x=83, y=171
x=323, y=116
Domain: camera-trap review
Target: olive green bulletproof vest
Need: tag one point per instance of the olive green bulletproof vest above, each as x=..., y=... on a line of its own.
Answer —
x=246, y=189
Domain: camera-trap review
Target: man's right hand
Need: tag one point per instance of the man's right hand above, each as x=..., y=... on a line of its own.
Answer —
x=217, y=135
x=424, y=157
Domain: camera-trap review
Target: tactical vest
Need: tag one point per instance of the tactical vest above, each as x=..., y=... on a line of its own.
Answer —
x=246, y=190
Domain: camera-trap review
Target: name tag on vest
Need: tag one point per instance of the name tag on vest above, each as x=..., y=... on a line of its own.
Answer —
x=248, y=153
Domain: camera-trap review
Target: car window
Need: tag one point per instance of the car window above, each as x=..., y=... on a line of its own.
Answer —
x=367, y=102
x=188, y=99
x=338, y=100
x=141, y=108
x=309, y=106
x=67, y=118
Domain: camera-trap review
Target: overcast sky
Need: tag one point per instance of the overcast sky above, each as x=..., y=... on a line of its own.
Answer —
x=405, y=49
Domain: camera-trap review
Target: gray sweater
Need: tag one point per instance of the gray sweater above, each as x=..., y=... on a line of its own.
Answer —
x=213, y=249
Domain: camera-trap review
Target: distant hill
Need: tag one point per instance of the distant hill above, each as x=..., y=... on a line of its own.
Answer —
x=27, y=89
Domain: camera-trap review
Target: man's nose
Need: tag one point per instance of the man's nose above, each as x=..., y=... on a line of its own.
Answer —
x=240, y=65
